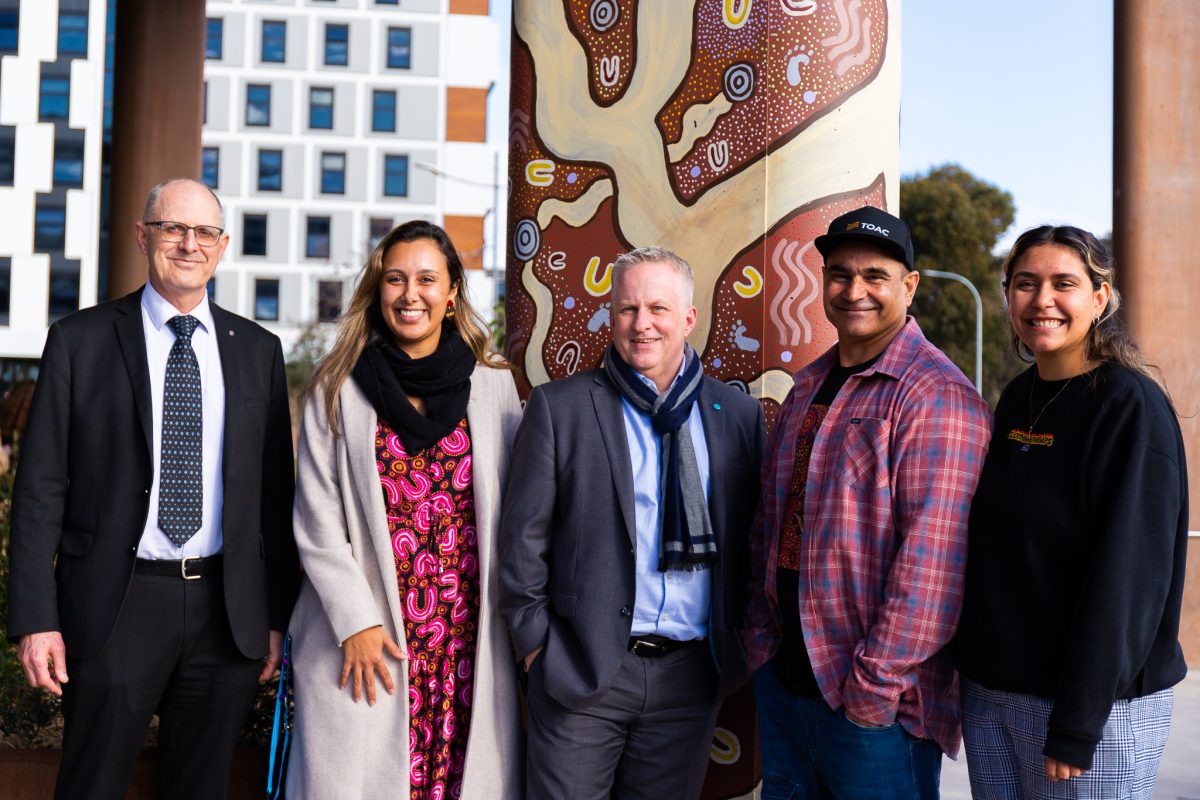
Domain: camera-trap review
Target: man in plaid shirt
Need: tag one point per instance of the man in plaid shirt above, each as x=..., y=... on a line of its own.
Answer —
x=860, y=547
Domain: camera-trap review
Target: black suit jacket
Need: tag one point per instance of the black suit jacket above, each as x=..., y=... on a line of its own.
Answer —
x=567, y=531
x=83, y=486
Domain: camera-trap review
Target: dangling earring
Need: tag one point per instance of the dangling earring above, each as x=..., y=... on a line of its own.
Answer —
x=450, y=309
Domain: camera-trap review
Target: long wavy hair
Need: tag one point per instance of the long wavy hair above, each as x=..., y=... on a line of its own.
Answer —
x=1108, y=339
x=363, y=318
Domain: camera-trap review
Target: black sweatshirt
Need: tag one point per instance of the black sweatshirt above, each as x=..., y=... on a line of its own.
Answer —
x=1077, y=545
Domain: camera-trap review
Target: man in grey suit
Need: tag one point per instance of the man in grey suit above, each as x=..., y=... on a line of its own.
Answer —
x=624, y=551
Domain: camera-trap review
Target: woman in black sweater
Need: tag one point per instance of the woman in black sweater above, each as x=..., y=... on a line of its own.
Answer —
x=1068, y=643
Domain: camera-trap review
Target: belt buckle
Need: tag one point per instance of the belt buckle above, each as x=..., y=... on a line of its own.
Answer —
x=183, y=573
x=644, y=648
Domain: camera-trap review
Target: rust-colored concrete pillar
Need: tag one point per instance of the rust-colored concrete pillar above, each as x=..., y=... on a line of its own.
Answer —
x=1156, y=185
x=158, y=102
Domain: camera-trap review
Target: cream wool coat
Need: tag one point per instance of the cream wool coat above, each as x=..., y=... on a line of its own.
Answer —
x=343, y=749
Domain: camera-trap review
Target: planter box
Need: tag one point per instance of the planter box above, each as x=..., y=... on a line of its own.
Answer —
x=29, y=774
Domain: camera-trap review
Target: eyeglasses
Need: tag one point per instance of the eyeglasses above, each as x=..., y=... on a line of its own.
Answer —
x=206, y=235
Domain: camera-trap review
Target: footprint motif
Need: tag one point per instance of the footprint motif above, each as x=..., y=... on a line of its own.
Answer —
x=738, y=338
x=797, y=57
x=600, y=319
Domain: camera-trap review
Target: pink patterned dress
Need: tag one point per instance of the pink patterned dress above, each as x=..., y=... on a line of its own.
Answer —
x=431, y=521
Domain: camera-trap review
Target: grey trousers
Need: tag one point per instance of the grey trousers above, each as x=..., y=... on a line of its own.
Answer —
x=648, y=737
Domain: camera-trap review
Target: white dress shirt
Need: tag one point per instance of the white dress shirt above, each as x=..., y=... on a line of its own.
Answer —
x=160, y=338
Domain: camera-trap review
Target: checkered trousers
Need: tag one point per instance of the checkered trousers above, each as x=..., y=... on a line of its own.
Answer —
x=1004, y=733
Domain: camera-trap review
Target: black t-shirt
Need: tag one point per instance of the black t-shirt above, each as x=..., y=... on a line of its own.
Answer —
x=792, y=664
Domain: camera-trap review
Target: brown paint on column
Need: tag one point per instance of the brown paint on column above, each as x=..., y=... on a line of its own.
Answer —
x=158, y=97
x=1156, y=206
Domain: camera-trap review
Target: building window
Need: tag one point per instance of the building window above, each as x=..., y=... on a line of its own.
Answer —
x=333, y=173
x=203, y=108
x=387, y=2
x=72, y=33
x=383, y=110
x=211, y=289
x=274, y=41
x=258, y=104
x=316, y=239
x=399, y=48
x=337, y=45
x=270, y=170
x=55, y=100
x=10, y=20
x=64, y=292
x=266, y=299
x=329, y=301
x=49, y=227
x=395, y=176
x=8, y=151
x=377, y=229
x=68, y=163
x=254, y=234
x=320, y=108
x=214, y=38
x=210, y=164
x=5, y=288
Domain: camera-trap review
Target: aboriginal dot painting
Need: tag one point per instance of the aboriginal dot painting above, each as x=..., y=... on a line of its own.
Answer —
x=729, y=131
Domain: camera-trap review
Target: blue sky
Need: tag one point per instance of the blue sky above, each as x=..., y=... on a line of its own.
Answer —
x=1020, y=94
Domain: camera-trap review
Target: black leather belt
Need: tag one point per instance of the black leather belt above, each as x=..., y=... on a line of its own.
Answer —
x=651, y=646
x=189, y=569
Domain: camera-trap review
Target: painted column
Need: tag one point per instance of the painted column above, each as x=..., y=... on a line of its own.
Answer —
x=158, y=102
x=1156, y=176
x=729, y=131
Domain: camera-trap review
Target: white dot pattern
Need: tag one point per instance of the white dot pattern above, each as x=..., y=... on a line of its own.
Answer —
x=181, y=484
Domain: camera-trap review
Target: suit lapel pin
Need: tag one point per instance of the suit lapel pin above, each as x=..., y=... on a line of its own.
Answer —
x=717, y=406
x=231, y=333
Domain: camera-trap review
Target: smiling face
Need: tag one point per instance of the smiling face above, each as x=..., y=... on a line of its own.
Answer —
x=179, y=271
x=414, y=291
x=1052, y=305
x=653, y=320
x=867, y=293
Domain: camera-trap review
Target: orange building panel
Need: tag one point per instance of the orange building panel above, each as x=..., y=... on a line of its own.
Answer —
x=477, y=8
x=467, y=235
x=466, y=114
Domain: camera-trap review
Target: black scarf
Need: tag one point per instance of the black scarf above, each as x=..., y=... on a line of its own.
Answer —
x=442, y=379
x=688, y=543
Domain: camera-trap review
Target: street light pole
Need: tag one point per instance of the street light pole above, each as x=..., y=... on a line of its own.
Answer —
x=954, y=276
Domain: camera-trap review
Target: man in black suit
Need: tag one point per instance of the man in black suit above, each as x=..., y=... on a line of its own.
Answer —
x=624, y=551
x=153, y=568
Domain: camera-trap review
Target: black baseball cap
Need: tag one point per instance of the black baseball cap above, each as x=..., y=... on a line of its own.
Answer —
x=869, y=224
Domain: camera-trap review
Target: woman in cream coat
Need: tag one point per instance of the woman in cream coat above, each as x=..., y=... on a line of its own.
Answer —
x=353, y=737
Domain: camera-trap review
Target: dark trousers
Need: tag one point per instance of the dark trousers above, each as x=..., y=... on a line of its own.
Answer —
x=648, y=737
x=812, y=752
x=171, y=652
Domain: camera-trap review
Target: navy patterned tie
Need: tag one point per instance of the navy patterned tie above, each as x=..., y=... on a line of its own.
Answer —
x=181, y=486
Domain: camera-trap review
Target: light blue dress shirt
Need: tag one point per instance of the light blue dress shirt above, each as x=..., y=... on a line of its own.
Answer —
x=671, y=604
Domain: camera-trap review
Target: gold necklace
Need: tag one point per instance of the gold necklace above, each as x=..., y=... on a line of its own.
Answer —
x=1028, y=437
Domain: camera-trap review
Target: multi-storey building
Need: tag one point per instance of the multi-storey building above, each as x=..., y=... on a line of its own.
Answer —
x=53, y=112
x=329, y=121
x=326, y=122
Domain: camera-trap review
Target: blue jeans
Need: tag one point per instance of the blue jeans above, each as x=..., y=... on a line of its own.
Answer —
x=812, y=751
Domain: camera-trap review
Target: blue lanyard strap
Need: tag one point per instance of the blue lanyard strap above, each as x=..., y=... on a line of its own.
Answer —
x=281, y=729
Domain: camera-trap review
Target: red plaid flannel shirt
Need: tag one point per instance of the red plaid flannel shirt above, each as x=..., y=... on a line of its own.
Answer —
x=884, y=545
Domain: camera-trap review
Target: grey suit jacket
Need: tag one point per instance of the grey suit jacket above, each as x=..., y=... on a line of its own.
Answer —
x=567, y=531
